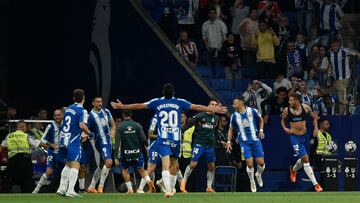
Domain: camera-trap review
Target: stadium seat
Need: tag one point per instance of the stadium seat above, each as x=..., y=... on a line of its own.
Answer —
x=220, y=72
x=208, y=81
x=249, y=71
x=241, y=85
x=225, y=96
x=221, y=84
x=225, y=178
x=204, y=71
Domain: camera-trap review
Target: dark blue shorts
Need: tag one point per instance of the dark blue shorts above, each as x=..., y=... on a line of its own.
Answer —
x=136, y=164
x=299, y=144
x=199, y=150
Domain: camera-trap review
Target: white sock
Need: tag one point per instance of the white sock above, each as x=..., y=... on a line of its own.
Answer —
x=41, y=182
x=166, y=179
x=82, y=183
x=104, y=173
x=309, y=172
x=95, y=178
x=73, y=177
x=142, y=184
x=260, y=169
x=147, y=178
x=152, y=176
x=298, y=165
x=187, y=173
x=250, y=173
x=173, y=181
x=64, y=181
x=179, y=176
x=210, y=178
x=128, y=185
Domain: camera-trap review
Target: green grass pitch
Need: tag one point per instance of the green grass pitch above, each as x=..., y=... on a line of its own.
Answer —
x=260, y=197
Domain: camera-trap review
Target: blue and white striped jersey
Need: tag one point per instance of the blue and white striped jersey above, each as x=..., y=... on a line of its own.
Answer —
x=70, y=129
x=52, y=134
x=152, y=127
x=245, y=124
x=168, y=112
x=340, y=63
x=99, y=123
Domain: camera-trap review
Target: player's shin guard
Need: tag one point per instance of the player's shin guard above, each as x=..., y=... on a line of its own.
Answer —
x=73, y=176
x=309, y=172
x=179, y=176
x=187, y=173
x=95, y=178
x=298, y=165
x=260, y=169
x=250, y=172
x=104, y=174
x=166, y=180
x=128, y=185
x=210, y=178
x=64, y=181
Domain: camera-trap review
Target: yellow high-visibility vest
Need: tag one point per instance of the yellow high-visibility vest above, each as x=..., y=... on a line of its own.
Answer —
x=323, y=142
x=186, y=147
x=17, y=142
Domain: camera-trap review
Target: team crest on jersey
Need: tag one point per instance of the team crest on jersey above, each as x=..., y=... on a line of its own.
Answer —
x=246, y=122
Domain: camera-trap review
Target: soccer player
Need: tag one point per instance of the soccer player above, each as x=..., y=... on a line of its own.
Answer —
x=74, y=123
x=296, y=114
x=55, y=155
x=203, y=142
x=154, y=158
x=131, y=138
x=103, y=125
x=249, y=125
x=168, y=110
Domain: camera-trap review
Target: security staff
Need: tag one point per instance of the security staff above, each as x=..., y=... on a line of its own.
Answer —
x=19, y=158
x=323, y=138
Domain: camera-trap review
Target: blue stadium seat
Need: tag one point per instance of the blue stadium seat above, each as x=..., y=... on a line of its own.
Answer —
x=241, y=85
x=269, y=82
x=225, y=96
x=225, y=178
x=221, y=84
x=208, y=81
x=220, y=72
x=204, y=71
x=249, y=71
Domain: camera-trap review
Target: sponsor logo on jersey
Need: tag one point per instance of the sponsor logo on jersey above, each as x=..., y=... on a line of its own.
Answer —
x=129, y=130
x=132, y=151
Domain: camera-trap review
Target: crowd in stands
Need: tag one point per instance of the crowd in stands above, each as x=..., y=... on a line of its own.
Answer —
x=255, y=40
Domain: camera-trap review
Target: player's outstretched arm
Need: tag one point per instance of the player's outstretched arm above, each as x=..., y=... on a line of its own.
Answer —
x=202, y=108
x=137, y=106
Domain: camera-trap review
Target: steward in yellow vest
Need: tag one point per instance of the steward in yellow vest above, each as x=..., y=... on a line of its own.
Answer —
x=19, y=166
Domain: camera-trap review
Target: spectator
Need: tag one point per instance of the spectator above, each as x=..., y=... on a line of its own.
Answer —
x=265, y=40
x=284, y=33
x=325, y=106
x=214, y=34
x=306, y=95
x=296, y=61
x=185, y=13
x=314, y=55
x=221, y=13
x=269, y=10
x=188, y=49
x=330, y=21
x=256, y=93
x=304, y=12
x=118, y=121
x=248, y=27
x=222, y=157
x=339, y=59
x=42, y=114
x=275, y=104
x=169, y=23
x=304, y=46
x=323, y=75
x=281, y=82
x=231, y=54
x=238, y=12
